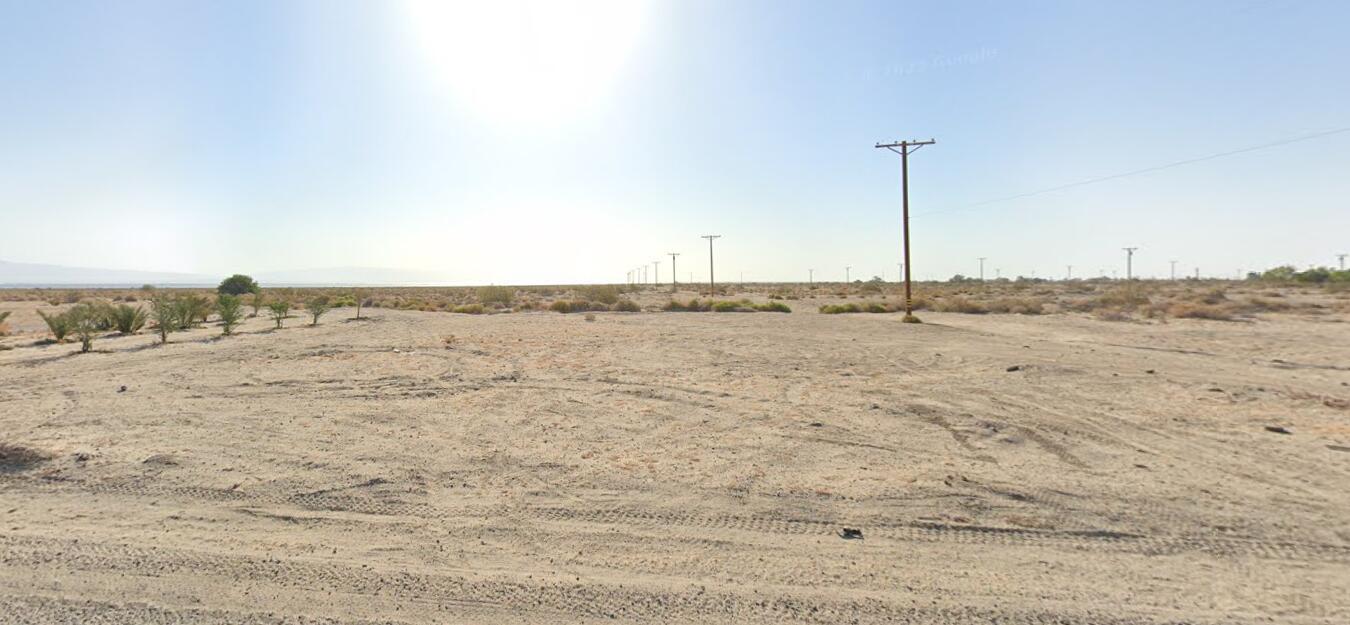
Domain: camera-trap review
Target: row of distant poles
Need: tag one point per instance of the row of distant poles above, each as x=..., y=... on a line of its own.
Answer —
x=904, y=149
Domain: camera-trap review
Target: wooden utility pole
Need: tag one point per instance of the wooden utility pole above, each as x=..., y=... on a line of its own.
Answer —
x=904, y=148
x=982, y=259
x=673, y=276
x=712, y=283
x=1129, y=262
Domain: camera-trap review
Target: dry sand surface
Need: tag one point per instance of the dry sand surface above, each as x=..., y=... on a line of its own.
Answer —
x=682, y=468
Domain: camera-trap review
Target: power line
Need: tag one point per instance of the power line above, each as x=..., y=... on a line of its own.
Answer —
x=1136, y=172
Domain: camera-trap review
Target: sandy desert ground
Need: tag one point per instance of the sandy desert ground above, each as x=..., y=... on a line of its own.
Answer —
x=683, y=468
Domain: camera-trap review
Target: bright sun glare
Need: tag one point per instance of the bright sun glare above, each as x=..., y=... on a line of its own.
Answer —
x=526, y=61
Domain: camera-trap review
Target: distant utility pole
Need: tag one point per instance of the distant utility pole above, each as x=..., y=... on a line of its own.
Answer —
x=846, y=268
x=982, y=259
x=901, y=268
x=1129, y=262
x=904, y=149
x=656, y=279
x=712, y=284
x=1174, y=270
x=998, y=273
x=1069, y=276
x=673, y=276
x=1197, y=273
x=1341, y=257
x=811, y=277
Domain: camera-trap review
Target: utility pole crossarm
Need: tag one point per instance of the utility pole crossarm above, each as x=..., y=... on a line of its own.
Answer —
x=904, y=149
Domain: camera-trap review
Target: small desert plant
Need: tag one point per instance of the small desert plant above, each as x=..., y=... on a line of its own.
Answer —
x=257, y=301
x=165, y=311
x=279, y=310
x=469, y=309
x=193, y=310
x=1190, y=310
x=58, y=324
x=358, y=300
x=773, y=307
x=4, y=328
x=496, y=295
x=627, y=305
x=231, y=310
x=128, y=319
x=590, y=316
x=317, y=306
x=607, y=294
x=85, y=322
x=839, y=309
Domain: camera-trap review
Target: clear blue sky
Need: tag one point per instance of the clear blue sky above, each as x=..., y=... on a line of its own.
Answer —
x=529, y=144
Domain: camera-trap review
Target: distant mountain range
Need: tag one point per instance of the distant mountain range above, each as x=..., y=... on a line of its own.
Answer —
x=40, y=275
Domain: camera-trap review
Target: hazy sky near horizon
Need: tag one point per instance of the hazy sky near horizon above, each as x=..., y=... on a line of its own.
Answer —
x=541, y=142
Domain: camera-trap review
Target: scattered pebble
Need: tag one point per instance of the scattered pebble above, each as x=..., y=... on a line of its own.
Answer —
x=849, y=533
x=1278, y=429
x=1015, y=368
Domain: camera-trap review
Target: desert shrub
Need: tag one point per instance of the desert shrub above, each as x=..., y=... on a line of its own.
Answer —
x=1125, y=298
x=237, y=284
x=469, y=309
x=317, y=306
x=590, y=317
x=1192, y=310
x=497, y=295
x=128, y=319
x=959, y=304
x=627, y=305
x=565, y=306
x=193, y=310
x=279, y=310
x=728, y=306
x=839, y=309
x=165, y=312
x=4, y=314
x=607, y=294
x=257, y=301
x=1016, y=306
x=231, y=310
x=358, y=300
x=57, y=323
x=773, y=307
x=85, y=323
x=101, y=314
x=4, y=327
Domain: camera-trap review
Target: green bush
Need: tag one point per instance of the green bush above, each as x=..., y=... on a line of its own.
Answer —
x=773, y=307
x=231, y=310
x=237, y=284
x=193, y=309
x=86, y=321
x=257, y=301
x=279, y=310
x=469, y=309
x=128, y=319
x=627, y=305
x=58, y=324
x=165, y=310
x=317, y=306
x=731, y=307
